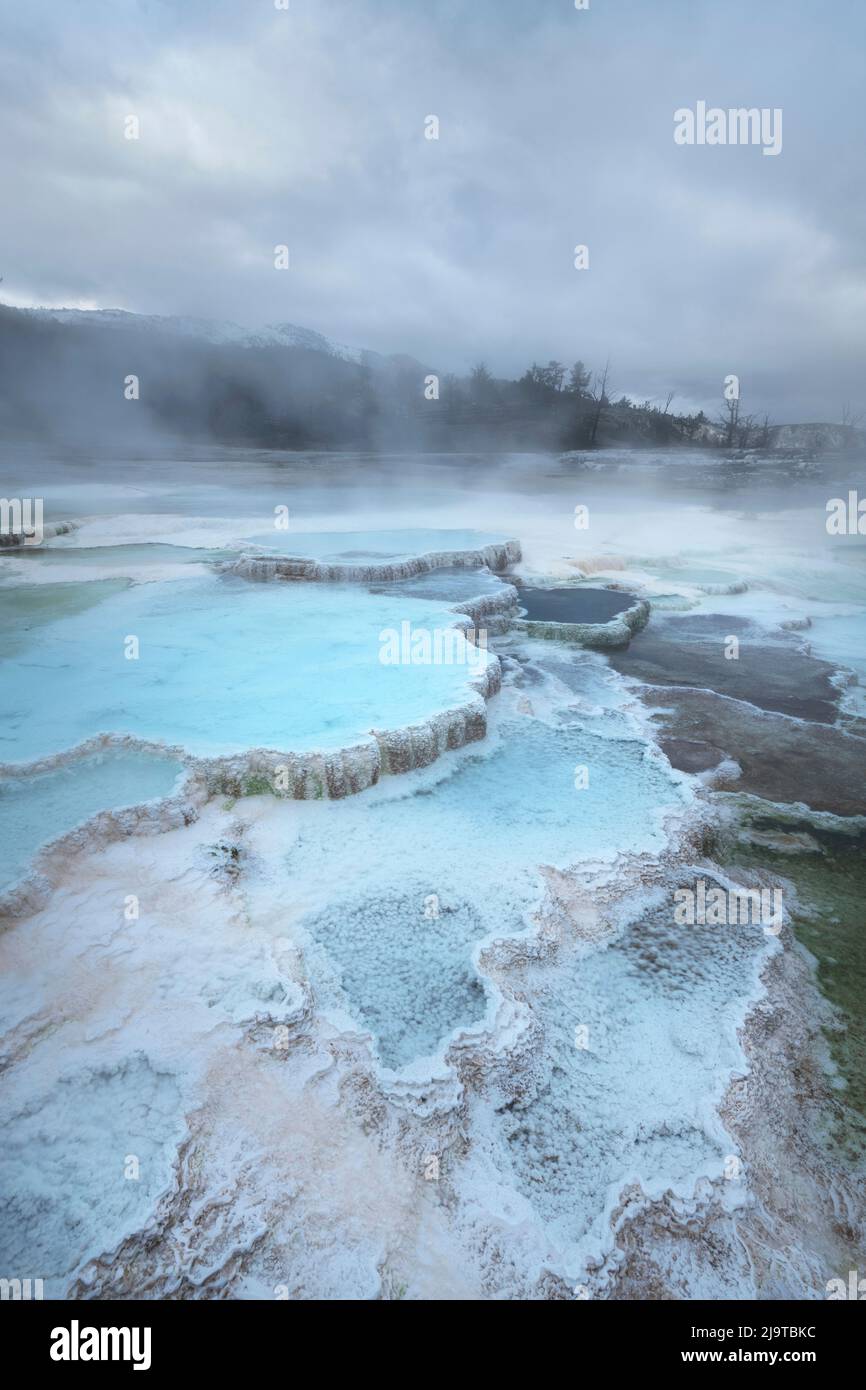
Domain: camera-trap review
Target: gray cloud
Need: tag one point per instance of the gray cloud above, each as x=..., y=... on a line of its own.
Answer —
x=261, y=127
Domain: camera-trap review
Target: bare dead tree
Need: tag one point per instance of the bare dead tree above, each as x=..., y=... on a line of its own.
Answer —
x=767, y=428
x=745, y=430
x=601, y=399
x=728, y=421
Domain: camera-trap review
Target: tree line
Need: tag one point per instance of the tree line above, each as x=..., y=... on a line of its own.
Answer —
x=64, y=382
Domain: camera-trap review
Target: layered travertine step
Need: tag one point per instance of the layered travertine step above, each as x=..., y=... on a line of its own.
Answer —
x=313, y=775
x=306, y=776
x=30, y=532
x=496, y=557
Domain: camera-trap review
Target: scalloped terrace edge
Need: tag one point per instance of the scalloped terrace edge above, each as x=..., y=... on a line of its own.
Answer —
x=497, y=557
x=312, y=775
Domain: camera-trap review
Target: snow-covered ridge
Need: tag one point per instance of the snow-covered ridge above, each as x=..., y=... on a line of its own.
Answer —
x=221, y=332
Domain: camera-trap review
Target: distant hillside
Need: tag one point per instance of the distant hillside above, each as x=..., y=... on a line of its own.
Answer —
x=65, y=379
x=216, y=331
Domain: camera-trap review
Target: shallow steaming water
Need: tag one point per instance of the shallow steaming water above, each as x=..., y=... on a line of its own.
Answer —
x=225, y=665
x=386, y=897
x=40, y=807
x=415, y=880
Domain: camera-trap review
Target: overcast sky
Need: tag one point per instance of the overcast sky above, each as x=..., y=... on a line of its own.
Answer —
x=306, y=127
